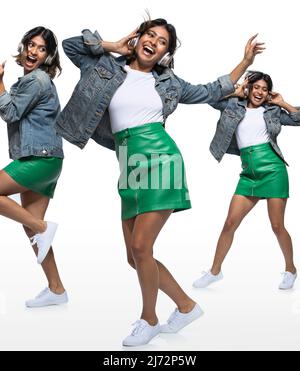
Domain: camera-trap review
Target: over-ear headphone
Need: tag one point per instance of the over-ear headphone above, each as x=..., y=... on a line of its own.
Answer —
x=165, y=61
x=246, y=92
x=50, y=57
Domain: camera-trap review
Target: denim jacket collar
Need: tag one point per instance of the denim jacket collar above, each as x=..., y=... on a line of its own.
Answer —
x=121, y=61
x=267, y=107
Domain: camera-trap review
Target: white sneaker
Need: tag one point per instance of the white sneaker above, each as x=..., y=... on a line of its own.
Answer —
x=288, y=280
x=141, y=334
x=44, y=241
x=47, y=297
x=207, y=279
x=179, y=320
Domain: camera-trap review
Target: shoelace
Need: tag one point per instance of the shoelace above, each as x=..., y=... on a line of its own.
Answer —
x=286, y=277
x=139, y=327
x=173, y=318
x=42, y=293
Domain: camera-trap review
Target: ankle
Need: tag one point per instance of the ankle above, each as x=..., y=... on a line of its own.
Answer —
x=215, y=270
x=42, y=226
x=57, y=288
x=152, y=321
x=292, y=269
x=187, y=307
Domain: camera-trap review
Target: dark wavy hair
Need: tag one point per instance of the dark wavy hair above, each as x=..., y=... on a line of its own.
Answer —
x=51, y=47
x=173, y=40
x=254, y=76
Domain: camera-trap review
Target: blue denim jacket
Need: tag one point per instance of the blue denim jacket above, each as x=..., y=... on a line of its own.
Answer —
x=233, y=110
x=86, y=113
x=30, y=111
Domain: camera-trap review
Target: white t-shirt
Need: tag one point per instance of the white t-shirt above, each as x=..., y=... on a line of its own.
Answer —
x=136, y=102
x=252, y=130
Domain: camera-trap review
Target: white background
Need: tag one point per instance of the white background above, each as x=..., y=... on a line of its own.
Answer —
x=244, y=311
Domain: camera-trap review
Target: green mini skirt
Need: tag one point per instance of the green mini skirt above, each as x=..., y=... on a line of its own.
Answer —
x=152, y=172
x=264, y=173
x=39, y=174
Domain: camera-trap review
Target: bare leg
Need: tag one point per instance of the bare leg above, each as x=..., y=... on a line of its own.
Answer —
x=276, y=210
x=37, y=205
x=167, y=283
x=12, y=210
x=144, y=233
x=239, y=207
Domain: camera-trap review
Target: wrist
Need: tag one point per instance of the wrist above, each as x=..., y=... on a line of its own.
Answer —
x=108, y=46
x=282, y=104
x=245, y=63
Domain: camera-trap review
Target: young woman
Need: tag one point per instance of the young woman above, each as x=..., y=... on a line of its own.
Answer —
x=248, y=127
x=30, y=111
x=122, y=103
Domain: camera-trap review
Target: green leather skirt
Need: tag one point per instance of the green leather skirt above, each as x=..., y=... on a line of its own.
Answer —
x=264, y=173
x=38, y=174
x=152, y=174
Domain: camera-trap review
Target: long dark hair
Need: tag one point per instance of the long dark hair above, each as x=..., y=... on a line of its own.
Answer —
x=254, y=76
x=51, y=47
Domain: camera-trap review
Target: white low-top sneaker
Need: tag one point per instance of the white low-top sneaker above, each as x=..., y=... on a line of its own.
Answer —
x=179, y=320
x=287, y=281
x=44, y=241
x=207, y=279
x=141, y=334
x=47, y=297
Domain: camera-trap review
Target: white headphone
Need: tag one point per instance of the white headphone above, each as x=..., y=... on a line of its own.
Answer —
x=165, y=61
x=50, y=57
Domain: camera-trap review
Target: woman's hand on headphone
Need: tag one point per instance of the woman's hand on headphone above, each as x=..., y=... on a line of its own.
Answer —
x=252, y=48
x=275, y=98
x=2, y=65
x=240, y=89
x=123, y=47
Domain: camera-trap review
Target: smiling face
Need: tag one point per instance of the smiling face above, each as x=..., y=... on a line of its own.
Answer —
x=152, y=46
x=34, y=54
x=258, y=94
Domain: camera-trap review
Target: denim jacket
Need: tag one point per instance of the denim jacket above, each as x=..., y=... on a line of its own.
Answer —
x=86, y=114
x=30, y=111
x=233, y=111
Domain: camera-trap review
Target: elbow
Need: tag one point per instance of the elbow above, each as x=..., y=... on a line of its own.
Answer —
x=66, y=44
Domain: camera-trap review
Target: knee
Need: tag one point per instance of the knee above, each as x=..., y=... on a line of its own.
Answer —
x=140, y=251
x=277, y=227
x=230, y=225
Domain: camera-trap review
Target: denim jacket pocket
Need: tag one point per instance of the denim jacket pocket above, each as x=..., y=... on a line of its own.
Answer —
x=94, y=81
x=171, y=100
x=228, y=112
x=103, y=72
x=274, y=126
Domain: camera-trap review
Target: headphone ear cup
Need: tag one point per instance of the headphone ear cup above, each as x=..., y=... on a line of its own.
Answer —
x=20, y=48
x=133, y=42
x=246, y=92
x=166, y=60
x=49, y=60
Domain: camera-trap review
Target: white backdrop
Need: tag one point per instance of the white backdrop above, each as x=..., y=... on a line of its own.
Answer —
x=245, y=310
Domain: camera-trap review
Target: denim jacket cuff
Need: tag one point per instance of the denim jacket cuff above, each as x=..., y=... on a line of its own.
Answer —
x=227, y=86
x=93, y=41
x=4, y=99
x=295, y=116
